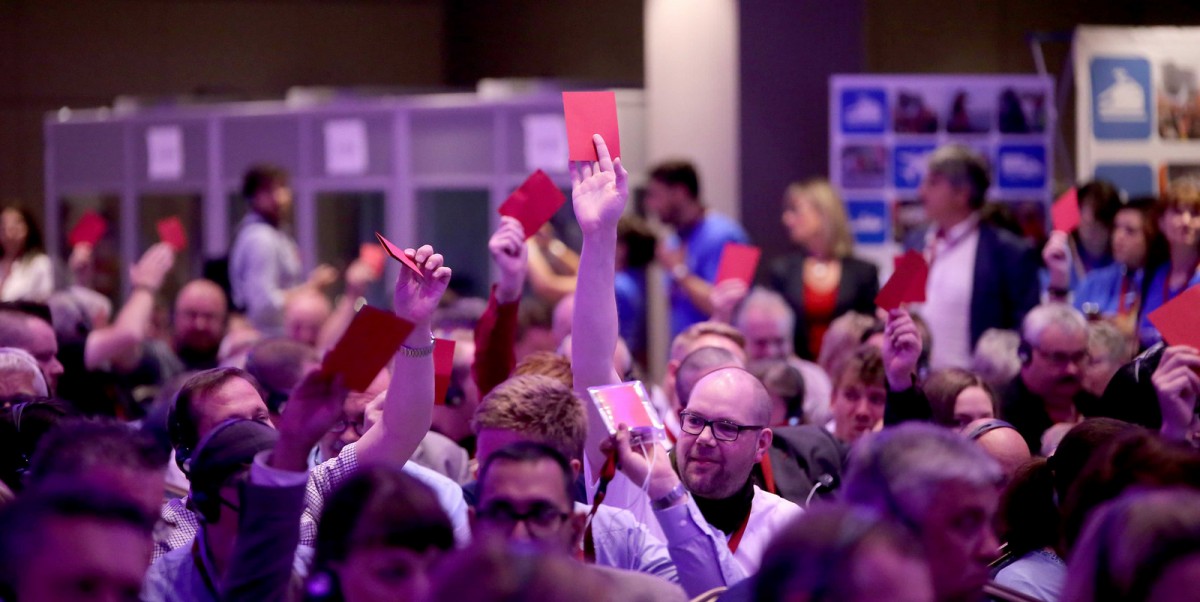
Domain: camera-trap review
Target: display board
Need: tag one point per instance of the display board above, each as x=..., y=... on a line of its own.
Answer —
x=1138, y=107
x=883, y=128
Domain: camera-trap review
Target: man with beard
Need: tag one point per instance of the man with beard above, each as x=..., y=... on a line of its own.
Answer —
x=1048, y=389
x=199, y=325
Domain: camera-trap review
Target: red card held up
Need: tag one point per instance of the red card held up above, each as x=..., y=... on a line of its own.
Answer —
x=373, y=256
x=907, y=284
x=443, y=369
x=1064, y=214
x=1176, y=319
x=368, y=344
x=586, y=114
x=534, y=203
x=170, y=231
x=398, y=254
x=738, y=262
x=89, y=230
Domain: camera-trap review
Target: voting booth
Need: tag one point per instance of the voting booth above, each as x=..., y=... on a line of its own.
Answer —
x=420, y=169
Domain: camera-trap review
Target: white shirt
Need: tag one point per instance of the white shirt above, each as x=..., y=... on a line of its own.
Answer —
x=769, y=514
x=31, y=278
x=947, y=307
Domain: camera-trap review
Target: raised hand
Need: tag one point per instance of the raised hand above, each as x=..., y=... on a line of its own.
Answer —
x=416, y=298
x=322, y=276
x=508, y=250
x=148, y=273
x=1177, y=384
x=599, y=191
x=725, y=298
x=313, y=407
x=1057, y=256
x=901, y=349
x=358, y=276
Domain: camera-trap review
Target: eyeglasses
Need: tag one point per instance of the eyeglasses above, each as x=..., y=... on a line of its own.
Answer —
x=1062, y=358
x=341, y=426
x=541, y=519
x=722, y=430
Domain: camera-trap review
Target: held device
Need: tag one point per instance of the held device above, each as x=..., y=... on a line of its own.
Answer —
x=629, y=404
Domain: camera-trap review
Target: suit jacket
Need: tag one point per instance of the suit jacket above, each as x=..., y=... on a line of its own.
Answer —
x=1006, y=284
x=856, y=290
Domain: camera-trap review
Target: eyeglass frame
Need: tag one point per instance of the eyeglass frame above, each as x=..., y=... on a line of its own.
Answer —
x=709, y=424
x=504, y=515
x=1062, y=358
x=339, y=427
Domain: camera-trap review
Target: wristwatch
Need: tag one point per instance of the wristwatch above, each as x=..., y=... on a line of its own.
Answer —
x=669, y=499
x=407, y=351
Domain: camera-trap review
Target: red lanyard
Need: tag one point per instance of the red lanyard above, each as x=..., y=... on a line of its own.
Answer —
x=768, y=473
x=737, y=535
x=1122, y=310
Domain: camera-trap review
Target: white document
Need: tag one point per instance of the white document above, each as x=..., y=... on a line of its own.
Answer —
x=346, y=151
x=164, y=152
x=545, y=142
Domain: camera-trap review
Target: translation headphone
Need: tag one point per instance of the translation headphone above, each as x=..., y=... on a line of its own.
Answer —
x=1025, y=352
x=987, y=427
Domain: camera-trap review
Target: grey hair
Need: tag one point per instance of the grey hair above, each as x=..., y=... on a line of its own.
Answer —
x=1045, y=315
x=995, y=359
x=1115, y=346
x=17, y=361
x=767, y=301
x=962, y=166
x=897, y=471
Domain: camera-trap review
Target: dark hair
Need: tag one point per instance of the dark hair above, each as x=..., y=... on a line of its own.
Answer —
x=1079, y=445
x=1104, y=198
x=528, y=452
x=1138, y=458
x=22, y=523
x=278, y=365
x=182, y=425
x=781, y=378
x=23, y=423
x=816, y=552
x=640, y=242
x=864, y=364
x=73, y=447
x=377, y=506
x=260, y=177
x=1028, y=518
x=678, y=173
x=1156, y=246
x=943, y=387
x=33, y=240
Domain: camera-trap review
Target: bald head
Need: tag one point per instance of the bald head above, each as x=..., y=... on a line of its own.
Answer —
x=304, y=314
x=1003, y=443
x=201, y=309
x=737, y=392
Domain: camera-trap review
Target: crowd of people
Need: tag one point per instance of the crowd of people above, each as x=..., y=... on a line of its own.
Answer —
x=1023, y=434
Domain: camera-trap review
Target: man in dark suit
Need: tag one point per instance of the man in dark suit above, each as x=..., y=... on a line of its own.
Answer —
x=980, y=277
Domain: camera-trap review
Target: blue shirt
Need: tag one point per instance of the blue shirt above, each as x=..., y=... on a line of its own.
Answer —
x=630, y=285
x=1102, y=289
x=702, y=245
x=1156, y=296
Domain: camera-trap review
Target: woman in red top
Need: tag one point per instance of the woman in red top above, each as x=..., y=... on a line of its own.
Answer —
x=820, y=280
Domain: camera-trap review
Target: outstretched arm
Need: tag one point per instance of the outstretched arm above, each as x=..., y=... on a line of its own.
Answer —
x=599, y=191
x=496, y=333
x=120, y=343
x=408, y=405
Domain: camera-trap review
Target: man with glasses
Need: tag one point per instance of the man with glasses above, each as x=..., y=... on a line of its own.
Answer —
x=525, y=496
x=1049, y=390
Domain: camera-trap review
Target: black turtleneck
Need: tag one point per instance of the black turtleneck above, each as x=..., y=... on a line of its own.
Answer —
x=726, y=514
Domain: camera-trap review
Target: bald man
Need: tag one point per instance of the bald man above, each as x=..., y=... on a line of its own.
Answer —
x=724, y=437
x=303, y=315
x=1002, y=442
x=201, y=312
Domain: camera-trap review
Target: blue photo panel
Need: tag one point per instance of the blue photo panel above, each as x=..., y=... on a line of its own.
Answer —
x=1121, y=105
x=1132, y=178
x=864, y=111
x=868, y=220
x=909, y=163
x=1021, y=166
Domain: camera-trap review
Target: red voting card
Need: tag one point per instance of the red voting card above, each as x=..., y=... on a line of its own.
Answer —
x=443, y=368
x=369, y=342
x=907, y=284
x=628, y=404
x=398, y=254
x=1176, y=319
x=738, y=262
x=589, y=113
x=373, y=256
x=1065, y=212
x=90, y=229
x=534, y=203
x=170, y=231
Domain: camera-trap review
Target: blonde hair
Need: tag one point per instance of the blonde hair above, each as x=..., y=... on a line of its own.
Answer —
x=546, y=363
x=541, y=408
x=829, y=204
x=683, y=341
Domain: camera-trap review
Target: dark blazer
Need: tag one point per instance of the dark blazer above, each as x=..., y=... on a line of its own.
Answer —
x=856, y=290
x=1006, y=284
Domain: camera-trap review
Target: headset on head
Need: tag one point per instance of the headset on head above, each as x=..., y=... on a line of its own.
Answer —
x=1024, y=352
x=208, y=503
